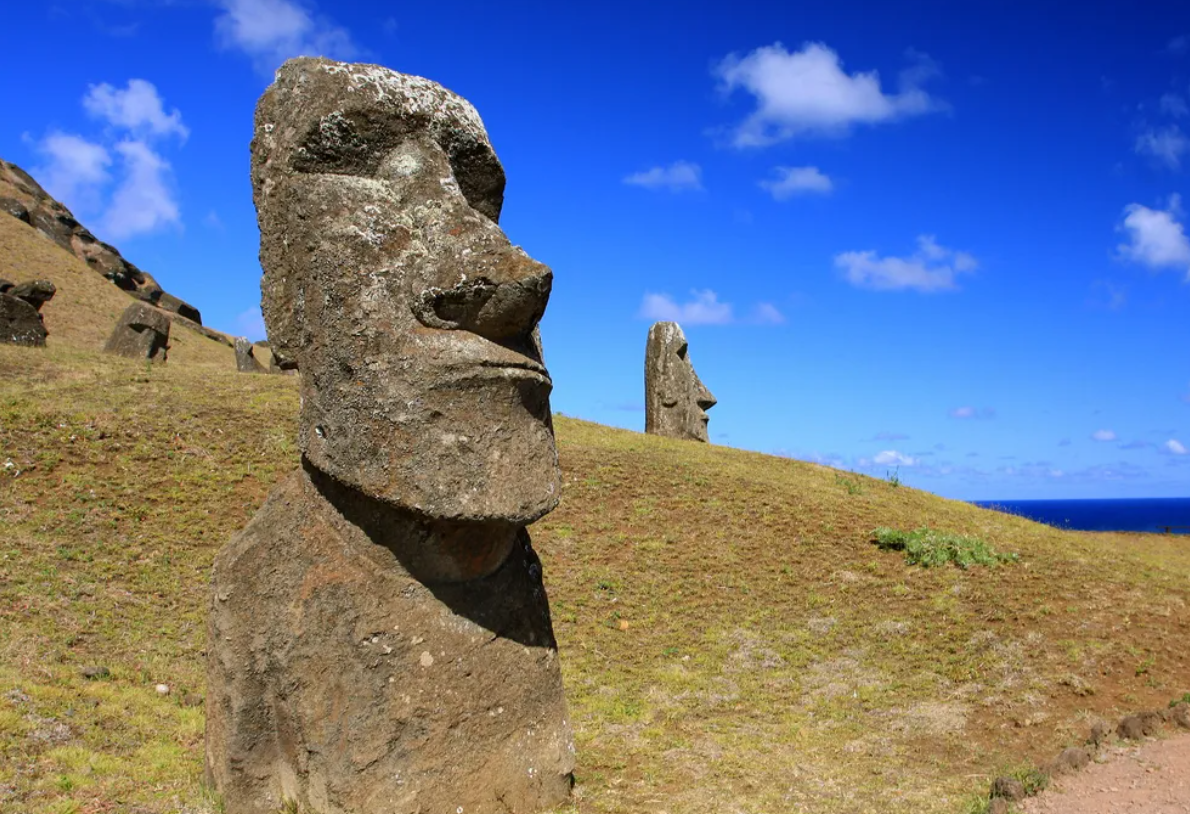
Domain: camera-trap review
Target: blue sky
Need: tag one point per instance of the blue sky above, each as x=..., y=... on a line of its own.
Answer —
x=942, y=239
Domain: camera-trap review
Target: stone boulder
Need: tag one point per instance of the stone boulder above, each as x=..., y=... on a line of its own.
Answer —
x=246, y=358
x=20, y=324
x=36, y=292
x=23, y=198
x=142, y=332
x=676, y=400
x=379, y=636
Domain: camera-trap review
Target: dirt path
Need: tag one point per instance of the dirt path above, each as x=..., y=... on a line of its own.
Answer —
x=1153, y=778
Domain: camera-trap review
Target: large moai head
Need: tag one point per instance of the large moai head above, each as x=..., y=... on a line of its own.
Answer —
x=389, y=284
x=676, y=400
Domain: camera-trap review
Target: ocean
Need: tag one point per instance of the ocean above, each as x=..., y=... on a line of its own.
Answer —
x=1155, y=514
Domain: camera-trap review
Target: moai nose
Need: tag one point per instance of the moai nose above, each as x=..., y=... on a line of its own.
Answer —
x=702, y=396
x=504, y=300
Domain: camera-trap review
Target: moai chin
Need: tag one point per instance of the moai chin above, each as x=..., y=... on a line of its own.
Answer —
x=676, y=400
x=379, y=637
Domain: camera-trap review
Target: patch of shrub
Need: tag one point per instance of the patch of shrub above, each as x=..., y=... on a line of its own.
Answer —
x=929, y=547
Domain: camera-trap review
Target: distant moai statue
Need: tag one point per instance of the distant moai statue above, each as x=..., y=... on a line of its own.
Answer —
x=21, y=322
x=246, y=357
x=379, y=634
x=142, y=332
x=676, y=400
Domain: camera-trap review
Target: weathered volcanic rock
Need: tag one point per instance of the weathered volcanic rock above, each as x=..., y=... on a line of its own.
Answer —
x=35, y=292
x=20, y=324
x=676, y=400
x=24, y=199
x=142, y=332
x=340, y=681
x=379, y=635
x=246, y=358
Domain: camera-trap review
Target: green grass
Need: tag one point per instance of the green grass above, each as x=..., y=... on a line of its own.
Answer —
x=730, y=640
x=931, y=548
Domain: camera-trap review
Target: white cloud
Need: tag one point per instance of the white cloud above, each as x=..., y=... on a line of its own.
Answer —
x=272, y=31
x=1172, y=104
x=889, y=457
x=1103, y=435
x=931, y=268
x=1175, y=447
x=680, y=176
x=1155, y=236
x=968, y=412
x=792, y=181
x=74, y=171
x=143, y=201
x=766, y=313
x=808, y=92
x=1166, y=145
x=137, y=108
x=703, y=309
x=250, y=323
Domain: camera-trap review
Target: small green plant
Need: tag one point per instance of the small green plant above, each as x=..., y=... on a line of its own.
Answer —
x=928, y=548
x=851, y=484
x=893, y=477
x=1033, y=779
x=1185, y=699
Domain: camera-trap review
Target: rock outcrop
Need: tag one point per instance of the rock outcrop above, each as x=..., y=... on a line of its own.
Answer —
x=24, y=199
x=676, y=400
x=20, y=312
x=142, y=332
x=380, y=638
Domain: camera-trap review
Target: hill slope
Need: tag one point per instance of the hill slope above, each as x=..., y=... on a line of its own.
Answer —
x=731, y=640
x=86, y=306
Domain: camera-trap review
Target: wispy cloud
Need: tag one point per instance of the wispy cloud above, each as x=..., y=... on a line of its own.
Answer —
x=703, y=309
x=680, y=176
x=889, y=436
x=80, y=172
x=888, y=457
x=791, y=181
x=1178, y=45
x=1166, y=145
x=1173, y=104
x=1174, y=447
x=967, y=412
x=1065, y=442
x=250, y=323
x=1135, y=445
x=1103, y=435
x=272, y=31
x=766, y=313
x=932, y=267
x=808, y=92
x=136, y=108
x=1155, y=237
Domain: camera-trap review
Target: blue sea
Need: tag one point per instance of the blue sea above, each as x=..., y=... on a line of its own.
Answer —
x=1155, y=514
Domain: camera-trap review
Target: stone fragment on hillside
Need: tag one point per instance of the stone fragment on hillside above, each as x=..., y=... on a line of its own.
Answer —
x=1179, y=714
x=386, y=599
x=998, y=805
x=20, y=324
x=35, y=292
x=1069, y=760
x=142, y=332
x=24, y=199
x=1008, y=788
x=1140, y=725
x=676, y=400
x=246, y=357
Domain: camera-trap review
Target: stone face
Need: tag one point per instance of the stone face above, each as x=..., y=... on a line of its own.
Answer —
x=24, y=199
x=246, y=359
x=20, y=324
x=380, y=637
x=36, y=292
x=142, y=332
x=676, y=400
x=410, y=314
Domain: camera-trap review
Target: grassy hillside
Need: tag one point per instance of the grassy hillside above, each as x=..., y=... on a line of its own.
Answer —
x=86, y=306
x=731, y=639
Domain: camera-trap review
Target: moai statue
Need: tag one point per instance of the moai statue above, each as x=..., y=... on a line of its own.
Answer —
x=676, y=400
x=20, y=312
x=379, y=636
x=142, y=332
x=246, y=357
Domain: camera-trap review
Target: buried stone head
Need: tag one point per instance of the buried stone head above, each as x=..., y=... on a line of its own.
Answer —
x=389, y=588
